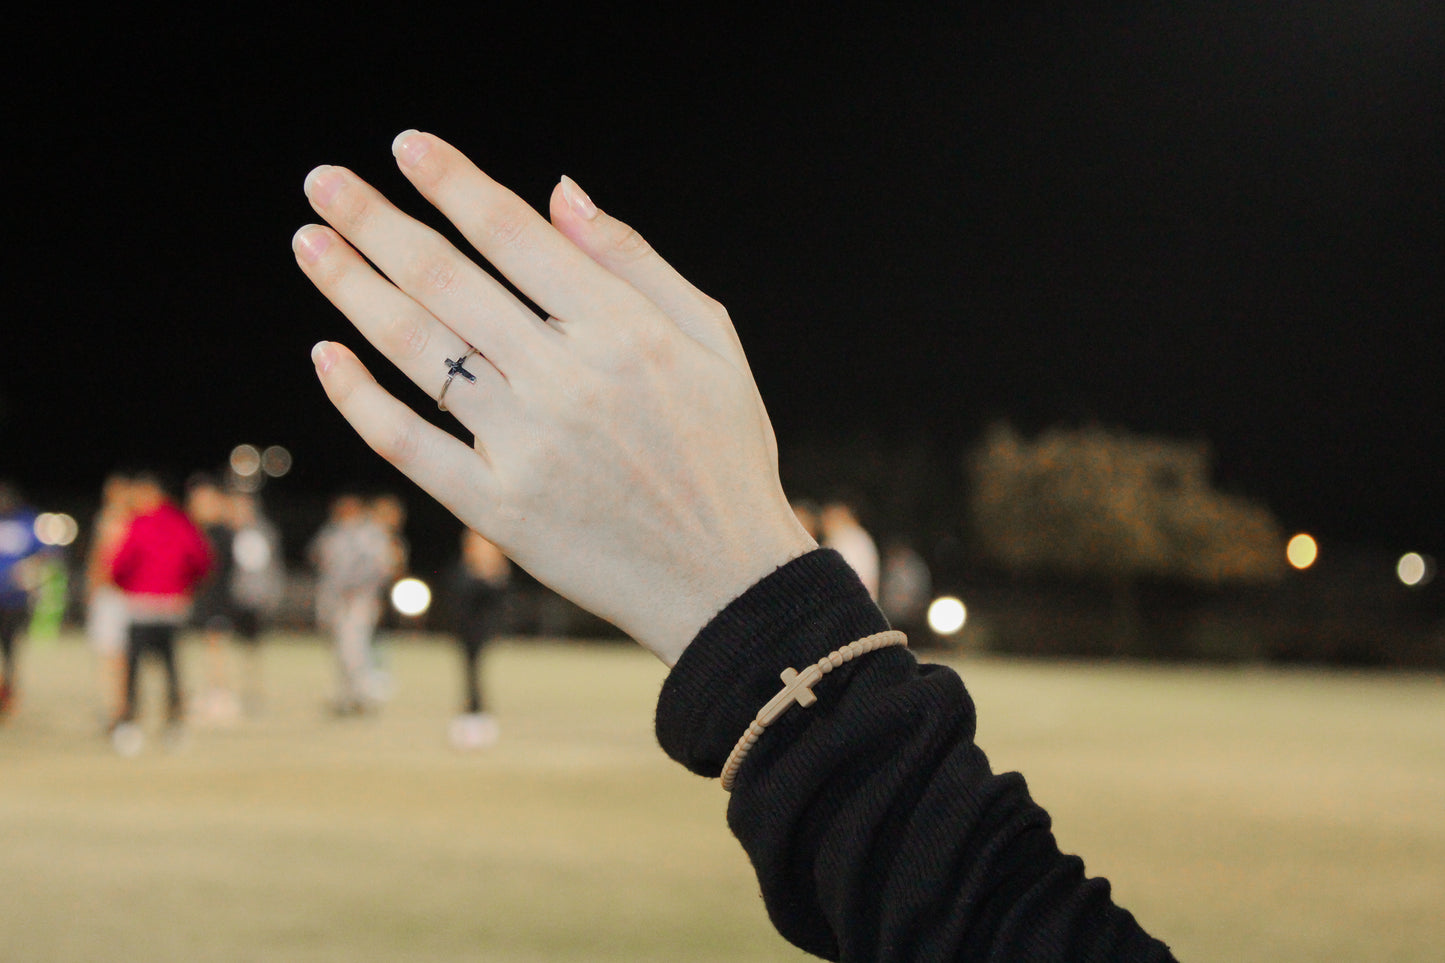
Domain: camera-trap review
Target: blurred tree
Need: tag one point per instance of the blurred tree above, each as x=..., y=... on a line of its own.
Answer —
x=1112, y=508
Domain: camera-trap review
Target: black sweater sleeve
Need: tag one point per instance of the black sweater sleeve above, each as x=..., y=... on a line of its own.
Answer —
x=876, y=827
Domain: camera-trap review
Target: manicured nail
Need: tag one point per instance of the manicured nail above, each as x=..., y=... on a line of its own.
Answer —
x=409, y=148
x=577, y=199
x=322, y=184
x=323, y=356
x=310, y=242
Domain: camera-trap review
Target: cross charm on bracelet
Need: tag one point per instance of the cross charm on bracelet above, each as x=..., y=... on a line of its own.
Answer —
x=797, y=688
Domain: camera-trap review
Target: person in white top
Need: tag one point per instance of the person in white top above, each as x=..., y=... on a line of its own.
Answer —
x=354, y=557
x=843, y=534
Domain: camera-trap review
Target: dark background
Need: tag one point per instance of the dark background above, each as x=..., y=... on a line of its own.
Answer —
x=1211, y=221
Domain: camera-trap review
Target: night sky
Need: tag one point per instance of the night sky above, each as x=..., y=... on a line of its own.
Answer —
x=1211, y=220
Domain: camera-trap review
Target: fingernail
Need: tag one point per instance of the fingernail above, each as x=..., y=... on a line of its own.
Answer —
x=323, y=356
x=577, y=199
x=322, y=184
x=409, y=148
x=310, y=242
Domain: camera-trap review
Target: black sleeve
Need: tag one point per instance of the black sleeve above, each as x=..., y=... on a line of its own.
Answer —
x=876, y=827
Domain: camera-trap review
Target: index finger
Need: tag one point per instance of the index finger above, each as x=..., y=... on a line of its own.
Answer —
x=523, y=245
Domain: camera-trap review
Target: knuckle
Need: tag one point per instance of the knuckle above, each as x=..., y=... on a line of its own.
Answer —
x=631, y=246
x=434, y=170
x=435, y=271
x=352, y=209
x=329, y=272
x=405, y=337
x=645, y=348
x=507, y=228
x=401, y=445
x=584, y=391
x=339, y=389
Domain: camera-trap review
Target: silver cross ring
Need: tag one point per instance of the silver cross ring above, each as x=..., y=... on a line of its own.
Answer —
x=455, y=368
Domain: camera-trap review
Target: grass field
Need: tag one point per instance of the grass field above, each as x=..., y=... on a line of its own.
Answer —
x=1243, y=814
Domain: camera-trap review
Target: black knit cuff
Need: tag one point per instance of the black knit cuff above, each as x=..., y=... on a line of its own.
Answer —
x=793, y=617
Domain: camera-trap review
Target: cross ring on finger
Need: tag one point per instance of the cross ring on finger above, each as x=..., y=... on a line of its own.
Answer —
x=455, y=368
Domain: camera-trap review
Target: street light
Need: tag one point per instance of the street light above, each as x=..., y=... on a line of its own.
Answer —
x=946, y=615
x=1302, y=551
x=411, y=597
x=1415, y=570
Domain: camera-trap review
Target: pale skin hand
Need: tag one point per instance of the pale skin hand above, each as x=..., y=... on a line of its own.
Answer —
x=622, y=454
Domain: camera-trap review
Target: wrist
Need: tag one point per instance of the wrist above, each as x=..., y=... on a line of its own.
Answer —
x=721, y=577
x=791, y=617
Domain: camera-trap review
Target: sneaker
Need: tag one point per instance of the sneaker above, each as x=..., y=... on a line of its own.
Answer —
x=474, y=730
x=127, y=738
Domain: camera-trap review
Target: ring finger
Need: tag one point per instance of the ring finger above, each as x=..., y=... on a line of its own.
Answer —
x=423, y=348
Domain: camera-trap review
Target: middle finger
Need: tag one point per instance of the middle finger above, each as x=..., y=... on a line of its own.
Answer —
x=428, y=268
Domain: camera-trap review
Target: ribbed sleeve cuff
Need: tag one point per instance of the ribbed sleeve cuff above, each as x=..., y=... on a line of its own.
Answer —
x=792, y=618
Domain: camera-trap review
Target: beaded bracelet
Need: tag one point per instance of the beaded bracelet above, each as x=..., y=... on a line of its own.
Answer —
x=797, y=688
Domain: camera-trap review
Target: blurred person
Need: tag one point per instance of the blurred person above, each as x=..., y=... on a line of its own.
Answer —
x=806, y=512
x=844, y=535
x=50, y=593
x=208, y=505
x=161, y=560
x=389, y=512
x=479, y=590
x=257, y=585
x=107, y=616
x=19, y=547
x=905, y=588
x=623, y=456
x=354, y=559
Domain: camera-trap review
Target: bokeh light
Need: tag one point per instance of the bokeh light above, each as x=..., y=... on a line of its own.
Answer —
x=946, y=615
x=1302, y=551
x=56, y=528
x=410, y=596
x=245, y=460
x=275, y=461
x=1415, y=570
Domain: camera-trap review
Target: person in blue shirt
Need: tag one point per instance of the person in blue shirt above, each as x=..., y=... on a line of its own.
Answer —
x=18, y=543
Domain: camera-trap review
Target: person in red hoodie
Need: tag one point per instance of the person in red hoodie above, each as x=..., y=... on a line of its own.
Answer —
x=161, y=560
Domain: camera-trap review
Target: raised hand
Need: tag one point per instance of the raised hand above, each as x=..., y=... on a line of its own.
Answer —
x=622, y=454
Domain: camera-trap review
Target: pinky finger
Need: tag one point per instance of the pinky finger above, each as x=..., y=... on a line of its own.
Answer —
x=449, y=470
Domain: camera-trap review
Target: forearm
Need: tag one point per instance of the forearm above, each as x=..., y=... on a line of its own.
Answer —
x=874, y=822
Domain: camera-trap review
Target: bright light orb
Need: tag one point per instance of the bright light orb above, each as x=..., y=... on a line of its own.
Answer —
x=1415, y=569
x=245, y=460
x=1302, y=551
x=946, y=615
x=411, y=596
x=275, y=461
x=55, y=528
